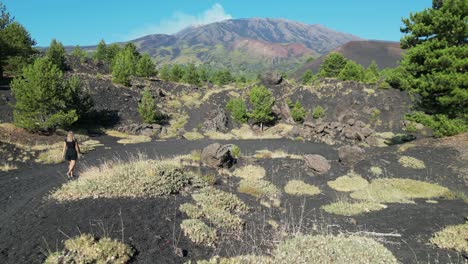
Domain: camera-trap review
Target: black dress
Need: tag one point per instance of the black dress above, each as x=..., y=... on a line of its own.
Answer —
x=70, y=153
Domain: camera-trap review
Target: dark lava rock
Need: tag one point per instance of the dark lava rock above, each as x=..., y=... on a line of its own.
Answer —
x=218, y=123
x=272, y=78
x=317, y=163
x=350, y=155
x=217, y=156
x=140, y=129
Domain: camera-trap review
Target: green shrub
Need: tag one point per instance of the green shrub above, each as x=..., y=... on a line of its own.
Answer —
x=86, y=249
x=145, y=67
x=44, y=98
x=238, y=110
x=79, y=53
x=191, y=75
x=332, y=65
x=235, y=151
x=318, y=112
x=147, y=107
x=298, y=112
x=453, y=237
x=371, y=74
x=222, y=77
x=101, y=51
x=176, y=73
x=199, y=232
x=165, y=73
x=352, y=72
x=441, y=125
x=307, y=77
x=123, y=67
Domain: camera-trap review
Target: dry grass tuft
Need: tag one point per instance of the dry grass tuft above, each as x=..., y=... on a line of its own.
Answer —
x=248, y=259
x=220, y=208
x=192, y=135
x=258, y=188
x=276, y=154
x=8, y=167
x=405, y=147
x=250, y=172
x=410, y=162
x=139, y=177
x=350, y=209
x=218, y=135
x=176, y=125
x=86, y=249
x=376, y=171
x=199, y=232
x=399, y=191
x=348, y=183
x=126, y=138
x=453, y=237
x=332, y=249
x=296, y=187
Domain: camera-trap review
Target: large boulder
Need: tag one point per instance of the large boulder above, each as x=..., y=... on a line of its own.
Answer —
x=350, y=155
x=272, y=78
x=286, y=113
x=217, y=156
x=317, y=163
x=217, y=123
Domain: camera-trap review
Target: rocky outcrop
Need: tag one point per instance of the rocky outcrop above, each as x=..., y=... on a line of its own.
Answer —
x=217, y=123
x=317, y=163
x=272, y=78
x=350, y=155
x=217, y=156
x=141, y=129
x=331, y=132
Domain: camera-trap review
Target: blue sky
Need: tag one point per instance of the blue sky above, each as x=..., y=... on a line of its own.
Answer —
x=85, y=22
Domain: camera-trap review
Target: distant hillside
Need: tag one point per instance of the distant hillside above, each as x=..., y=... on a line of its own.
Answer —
x=247, y=46
x=385, y=53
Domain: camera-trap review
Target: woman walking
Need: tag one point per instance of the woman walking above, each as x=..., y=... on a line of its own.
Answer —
x=70, y=152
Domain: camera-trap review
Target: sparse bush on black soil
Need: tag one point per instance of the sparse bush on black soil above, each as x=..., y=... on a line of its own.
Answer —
x=410, y=162
x=453, y=237
x=139, y=177
x=86, y=249
x=238, y=110
x=348, y=183
x=298, y=112
x=297, y=187
x=191, y=75
x=332, y=249
x=262, y=101
x=308, y=77
x=79, y=53
x=235, y=151
x=258, y=188
x=318, y=112
x=56, y=54
x=147, y=107
x=199, y=232
x=145, y=67
x=101, y=51
x=44, y=99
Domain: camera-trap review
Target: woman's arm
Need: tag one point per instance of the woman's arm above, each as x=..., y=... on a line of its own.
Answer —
x=64, y=148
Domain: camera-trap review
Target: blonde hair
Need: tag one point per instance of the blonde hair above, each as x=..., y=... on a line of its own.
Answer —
x=70, y=136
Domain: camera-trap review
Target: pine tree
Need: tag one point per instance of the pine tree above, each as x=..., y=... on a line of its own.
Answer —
x=101, y=51
x=332, y=65
x=262, y=101
x=307, y=77
x=372, y=74
x=56, y=54
x=177, y=72
x=434, y=65
x=147, y=107
x=238, y=110
x=79, y=53
x=165, y=73
x=112, y=51
x=42, y=97
x=123, y=67
x=145, y=67
x=352, y=72
x=191, y=75
x=298, y=112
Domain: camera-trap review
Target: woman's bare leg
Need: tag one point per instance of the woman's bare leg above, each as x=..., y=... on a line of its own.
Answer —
x=69, y=168
x=72, y=167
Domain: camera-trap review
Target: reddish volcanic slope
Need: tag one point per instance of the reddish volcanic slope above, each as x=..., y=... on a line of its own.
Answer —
x=272, y=50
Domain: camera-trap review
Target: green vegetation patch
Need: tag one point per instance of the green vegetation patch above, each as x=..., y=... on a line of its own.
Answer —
x=410, y=162
x=199, y=232
x=258, y=188
x=332, y=249
x=248, y=259
x=193, y=135
x=349, y=183
x=350, y=209
x=86, y=249
x=376, y=171
x=297, y=187
x=126, y=138
x=139, y=177
x=220, y=208
x=399, y=191
x=250, y=172
x=453, y=237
